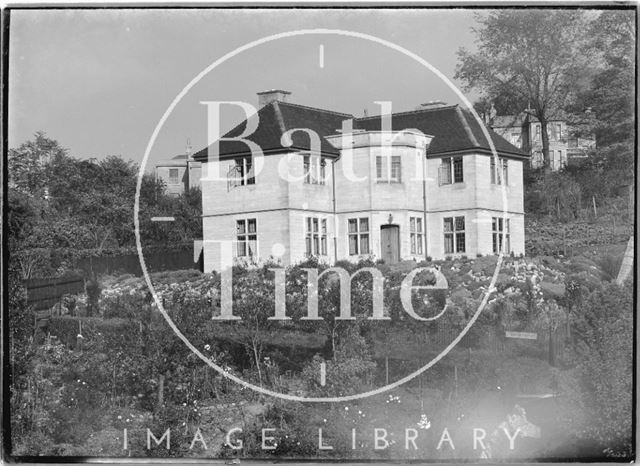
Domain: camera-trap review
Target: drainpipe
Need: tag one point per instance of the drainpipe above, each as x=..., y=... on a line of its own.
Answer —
x=424, y=201
x=335, y=219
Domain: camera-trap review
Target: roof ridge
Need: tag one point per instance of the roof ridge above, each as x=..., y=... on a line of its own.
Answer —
x=316, y=109
x=419, y=110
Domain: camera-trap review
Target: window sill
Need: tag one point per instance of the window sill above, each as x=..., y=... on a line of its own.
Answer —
x=459, y=185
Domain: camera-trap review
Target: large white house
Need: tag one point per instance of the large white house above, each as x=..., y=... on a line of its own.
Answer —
x=427, y=185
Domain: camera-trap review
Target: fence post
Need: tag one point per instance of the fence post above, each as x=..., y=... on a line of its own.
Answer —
x=386, y=369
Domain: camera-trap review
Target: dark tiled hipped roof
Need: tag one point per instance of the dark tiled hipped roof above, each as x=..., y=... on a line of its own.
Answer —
x=454, y=130
x=274, y=120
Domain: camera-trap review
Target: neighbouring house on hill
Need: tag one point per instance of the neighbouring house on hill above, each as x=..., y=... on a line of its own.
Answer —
x=525, y=132
x=179, y=173
x=425, y=185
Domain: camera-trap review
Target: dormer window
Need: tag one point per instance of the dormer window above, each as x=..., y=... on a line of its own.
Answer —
x=315, y=168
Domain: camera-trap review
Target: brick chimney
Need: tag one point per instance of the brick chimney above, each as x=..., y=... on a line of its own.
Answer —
x=266, y=97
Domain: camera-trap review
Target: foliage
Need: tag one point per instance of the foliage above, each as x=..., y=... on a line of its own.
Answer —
x=532, y=57
x=59, y=206
x=605, y=325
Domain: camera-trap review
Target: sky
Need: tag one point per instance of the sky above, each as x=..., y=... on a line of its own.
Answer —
x=99, y=81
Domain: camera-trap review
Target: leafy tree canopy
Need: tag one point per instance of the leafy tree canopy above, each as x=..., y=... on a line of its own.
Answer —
x=529, y=58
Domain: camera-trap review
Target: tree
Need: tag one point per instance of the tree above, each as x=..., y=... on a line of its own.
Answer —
x=28, y=164
x=529, y=57
x=610, y=99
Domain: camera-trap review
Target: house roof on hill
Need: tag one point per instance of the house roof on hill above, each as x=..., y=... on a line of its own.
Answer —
x=508, y=121
x=454, y=130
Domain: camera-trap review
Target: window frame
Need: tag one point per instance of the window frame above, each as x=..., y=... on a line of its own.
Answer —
x=455, y=234
x=386, y=166
x=176, y=179
x=499, y=173
x=315, y=236
x=246, y=238
x=416, y=235
x=501, y=234
x=244, y=165
x=314, y=168
x=451, y=170
x=359, y=236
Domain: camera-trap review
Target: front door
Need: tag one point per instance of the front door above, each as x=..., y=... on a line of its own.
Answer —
x=390, y=243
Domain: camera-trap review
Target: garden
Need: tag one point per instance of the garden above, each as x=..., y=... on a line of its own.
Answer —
x=97, y=381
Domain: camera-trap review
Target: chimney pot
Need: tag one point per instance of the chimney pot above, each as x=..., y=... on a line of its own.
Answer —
x=266, y=97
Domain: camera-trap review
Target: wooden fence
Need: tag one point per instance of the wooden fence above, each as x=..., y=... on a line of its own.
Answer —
x=43, y=293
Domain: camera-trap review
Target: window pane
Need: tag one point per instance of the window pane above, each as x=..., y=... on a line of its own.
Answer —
x=173, y=175
x=324, y=245
x=353, y=225
x=364, y=224
x=251, y=178
x=315, y=225
x=353, y=244
x=457, y=170
x=495, y=243
x=419, y=224
x=493, y=170
x=240, y=226
x=448, y=224
x=252, y=245
x=445, y=171
x=242, y=247
x=412, y=224
x=308, y=245
x=460, y=243
x=364, y=244
x=324, y=226
x=420, y=244
x=396, y=169
x=252, y=225
x=459, y=223
x=306, y=169
x=316, y=245
x=413, y=243
x=308, y=224
x=448, y=243
x=379, y=167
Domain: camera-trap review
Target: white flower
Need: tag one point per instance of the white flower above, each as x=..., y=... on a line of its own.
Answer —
x=424, y=422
